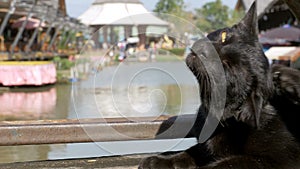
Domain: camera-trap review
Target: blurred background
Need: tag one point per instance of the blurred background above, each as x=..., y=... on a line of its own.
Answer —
x=66, y=59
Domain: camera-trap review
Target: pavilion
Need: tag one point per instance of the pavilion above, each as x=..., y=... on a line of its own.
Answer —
x=21, y=19
x=107, y=14
x=271, y=13
x=32, y=32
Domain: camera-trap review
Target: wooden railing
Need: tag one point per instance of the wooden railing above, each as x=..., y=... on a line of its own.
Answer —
x=88, y=130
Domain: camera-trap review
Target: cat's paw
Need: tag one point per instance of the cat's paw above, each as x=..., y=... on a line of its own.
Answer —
x=177, y=161
x=155, y=162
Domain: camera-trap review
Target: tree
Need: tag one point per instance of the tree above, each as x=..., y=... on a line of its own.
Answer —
x=235, y=17
x=173, y=11
x=175, y=7
x=212, y=16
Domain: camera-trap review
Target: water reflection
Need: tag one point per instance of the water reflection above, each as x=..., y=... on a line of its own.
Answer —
x=23, y=153
x=43, y=103
x=137, y=90
x=28, y=105
x=146, y=101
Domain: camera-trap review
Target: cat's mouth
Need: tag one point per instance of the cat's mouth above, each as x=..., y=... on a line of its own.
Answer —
x=194, y=63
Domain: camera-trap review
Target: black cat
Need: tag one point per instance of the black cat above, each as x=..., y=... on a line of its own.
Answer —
x=252, y=133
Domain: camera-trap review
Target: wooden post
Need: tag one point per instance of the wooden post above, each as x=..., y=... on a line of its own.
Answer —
x=68, y=37
x=21, y=30
x=60, y=43
x=112, y=35
x=45, y=37
x=33, y=36
x=142, y=36
x=95, y=36
x=7, y=16
x=294, y=6
x=105, y=35
x=128, y=31
x=53, y=39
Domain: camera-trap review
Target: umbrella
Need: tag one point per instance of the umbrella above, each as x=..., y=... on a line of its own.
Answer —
x=31, y=23
x=289, y=33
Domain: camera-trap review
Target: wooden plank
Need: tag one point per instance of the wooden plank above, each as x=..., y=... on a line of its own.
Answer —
x=77, y=131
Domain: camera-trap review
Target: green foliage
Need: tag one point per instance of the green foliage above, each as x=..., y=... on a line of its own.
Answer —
x=177, y=51
x=235, y=17
x=212, y=16
x=66, y=64
x=62, y=76
x=64, y=38
x=117, y=57
x=62, y=64
x=175, y=7
x=56, y=59
x=215, y=15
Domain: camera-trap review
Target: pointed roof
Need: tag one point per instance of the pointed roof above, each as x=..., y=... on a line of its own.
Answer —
x=119, y=12
x=261, y=5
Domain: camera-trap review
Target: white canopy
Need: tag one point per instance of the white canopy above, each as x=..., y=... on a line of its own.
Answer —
x=276, y=52
x=120, y=12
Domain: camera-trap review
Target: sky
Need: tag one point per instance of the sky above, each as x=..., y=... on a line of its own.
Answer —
x=76, y=7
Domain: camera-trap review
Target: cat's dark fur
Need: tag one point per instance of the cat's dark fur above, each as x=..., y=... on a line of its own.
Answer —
x=252, y=133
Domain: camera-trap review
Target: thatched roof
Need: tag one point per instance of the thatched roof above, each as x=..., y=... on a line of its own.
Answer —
x=22, y=7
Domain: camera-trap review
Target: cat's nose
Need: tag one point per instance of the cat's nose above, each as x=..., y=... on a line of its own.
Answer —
x=191, y=59
x=191, y=56
x=188, y=57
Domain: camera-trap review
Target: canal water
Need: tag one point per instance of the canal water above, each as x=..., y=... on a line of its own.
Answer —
x=125, y=90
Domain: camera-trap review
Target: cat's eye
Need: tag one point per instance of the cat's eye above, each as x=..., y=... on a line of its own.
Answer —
x=223, y=36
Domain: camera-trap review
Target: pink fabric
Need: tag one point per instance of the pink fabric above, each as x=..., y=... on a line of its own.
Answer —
x=17, y=75
x=31, y=23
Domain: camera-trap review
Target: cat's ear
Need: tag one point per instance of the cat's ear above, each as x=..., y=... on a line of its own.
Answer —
x=249, y=22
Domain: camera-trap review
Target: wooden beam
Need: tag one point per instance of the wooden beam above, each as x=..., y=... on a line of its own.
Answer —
x=294, y=6
x=62, y=7
x=87, y=130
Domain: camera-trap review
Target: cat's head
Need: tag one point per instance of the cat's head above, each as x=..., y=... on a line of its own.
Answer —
x=244, y=63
